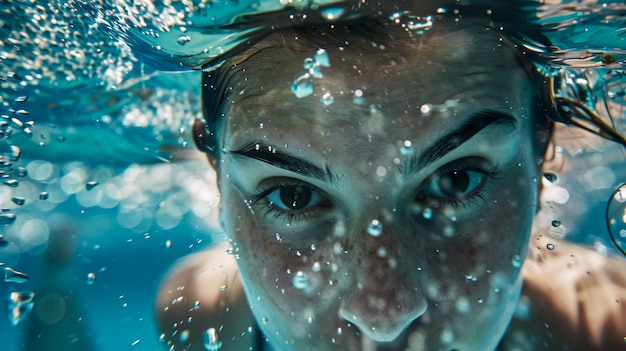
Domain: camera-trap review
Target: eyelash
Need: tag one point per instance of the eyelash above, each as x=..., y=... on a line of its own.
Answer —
x=293, y=217
x=290, y=217
x=491, y=173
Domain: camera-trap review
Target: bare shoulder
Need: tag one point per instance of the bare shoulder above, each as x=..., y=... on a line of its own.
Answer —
x=577, y=296
x=204, y=291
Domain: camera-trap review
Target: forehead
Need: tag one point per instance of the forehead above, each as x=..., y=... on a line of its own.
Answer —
x=421, y=82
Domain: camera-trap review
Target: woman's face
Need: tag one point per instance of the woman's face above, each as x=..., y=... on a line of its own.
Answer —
x=394, y=215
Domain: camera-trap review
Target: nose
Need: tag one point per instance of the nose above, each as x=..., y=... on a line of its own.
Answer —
x=385, y=297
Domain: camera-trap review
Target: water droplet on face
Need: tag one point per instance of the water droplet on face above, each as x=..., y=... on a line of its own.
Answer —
x=321, y=58
x=358, y=99
x=517, y=261
x=316, y=267
x=90, y=185
x=551, y=177
x=382, y=252
x=19, y=305
x=375, y=228
x=550, y=246
x=223, y=287
x=556, y=223
x=406, y=148
x=212, y=340
x=13, y=276
x=339, y=331
x=91, y=278
x=196, y=305
x=426, y=109
x=427, y=213
x=300, y=281
x=327, y=99
x=303, y=86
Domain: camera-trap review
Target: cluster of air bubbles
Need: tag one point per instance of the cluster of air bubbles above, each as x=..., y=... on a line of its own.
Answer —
x=303, y=85
x=412, y=23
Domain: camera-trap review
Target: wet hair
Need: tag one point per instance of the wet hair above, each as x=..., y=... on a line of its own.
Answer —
x=363, y=36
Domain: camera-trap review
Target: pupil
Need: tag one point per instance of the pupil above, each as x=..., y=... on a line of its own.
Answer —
x=295, y=197
x=454, y=183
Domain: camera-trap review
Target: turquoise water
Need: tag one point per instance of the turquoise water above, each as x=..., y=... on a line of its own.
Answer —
x=104, y=190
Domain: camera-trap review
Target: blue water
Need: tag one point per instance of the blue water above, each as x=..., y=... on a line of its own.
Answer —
x=108, y=113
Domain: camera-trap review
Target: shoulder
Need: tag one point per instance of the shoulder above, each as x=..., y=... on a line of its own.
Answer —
x=576, y=296
x=203, y=291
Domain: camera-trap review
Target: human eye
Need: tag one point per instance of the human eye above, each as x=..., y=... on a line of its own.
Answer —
x=290, y=199
x=459, y=183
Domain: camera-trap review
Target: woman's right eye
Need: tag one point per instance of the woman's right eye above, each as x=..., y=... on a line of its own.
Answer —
x=292, y=197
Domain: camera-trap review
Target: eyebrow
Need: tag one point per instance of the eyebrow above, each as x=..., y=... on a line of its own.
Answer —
x=266, y=153
x=444, y=145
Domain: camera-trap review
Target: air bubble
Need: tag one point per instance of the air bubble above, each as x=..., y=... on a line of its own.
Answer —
x=19, y=305
x=300, y=281
x=183, y=39
x=13, y=276
x=21, y=99
x=550, y=246
x=332, y=13
x=375, y=228
x=616, y=218
x=91, y=278
x=90, y=185
x=13, y=183
x=556, y=223
x=7, y=218
x=20, y=201
x=212, y=340
x=44, y=195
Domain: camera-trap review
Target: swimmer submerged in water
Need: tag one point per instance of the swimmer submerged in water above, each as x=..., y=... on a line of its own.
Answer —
x=383, y=201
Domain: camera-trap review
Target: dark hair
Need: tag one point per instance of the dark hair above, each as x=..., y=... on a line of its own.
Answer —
x=554, y=103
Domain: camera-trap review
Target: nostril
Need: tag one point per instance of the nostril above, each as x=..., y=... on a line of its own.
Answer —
x=380, y=325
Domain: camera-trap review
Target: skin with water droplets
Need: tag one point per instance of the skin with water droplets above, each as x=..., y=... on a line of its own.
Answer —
x=387, y=300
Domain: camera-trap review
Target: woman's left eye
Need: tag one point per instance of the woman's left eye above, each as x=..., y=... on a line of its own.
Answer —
x=456, y=184
x=295, y=197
